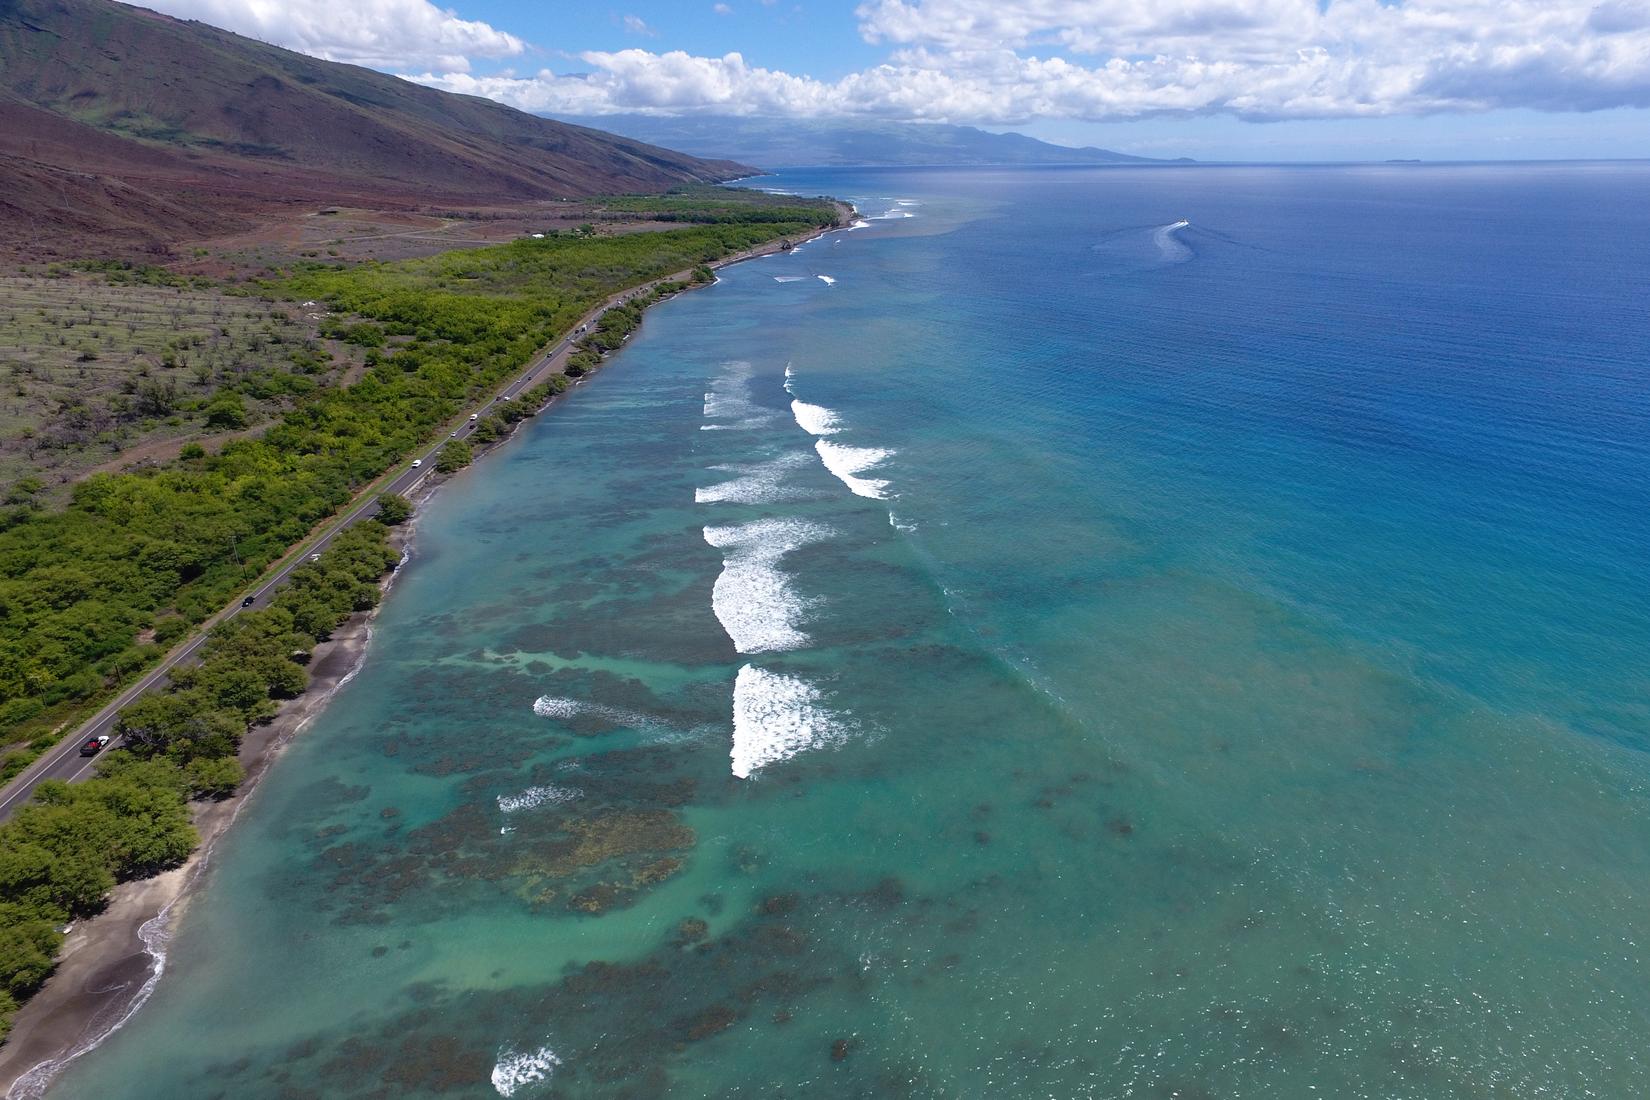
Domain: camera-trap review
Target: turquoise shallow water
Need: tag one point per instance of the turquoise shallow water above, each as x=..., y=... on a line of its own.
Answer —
x=1151, y=660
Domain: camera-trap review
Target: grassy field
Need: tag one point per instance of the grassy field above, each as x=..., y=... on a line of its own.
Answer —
x=92, y=370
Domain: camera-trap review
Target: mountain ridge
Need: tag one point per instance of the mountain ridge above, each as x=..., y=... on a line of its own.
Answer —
x=796, y=143
x=123, y=121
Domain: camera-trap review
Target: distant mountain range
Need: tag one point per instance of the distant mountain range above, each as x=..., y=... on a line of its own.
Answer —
x=120, y=123
x=790, y=143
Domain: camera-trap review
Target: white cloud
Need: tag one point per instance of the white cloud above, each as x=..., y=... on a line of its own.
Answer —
x=1007, y=61
x=721, y=9
x=635, y=24
x=386, y=34
x=994, y=61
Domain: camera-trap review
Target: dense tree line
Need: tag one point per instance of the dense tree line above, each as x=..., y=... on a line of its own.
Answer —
x=93, y=593
x=64, y=851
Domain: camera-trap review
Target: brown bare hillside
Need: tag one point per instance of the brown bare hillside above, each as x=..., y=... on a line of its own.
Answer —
x=123, y=124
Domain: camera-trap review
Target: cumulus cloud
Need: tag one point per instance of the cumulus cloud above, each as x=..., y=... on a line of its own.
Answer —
x=384, y=34
x=1007, y=61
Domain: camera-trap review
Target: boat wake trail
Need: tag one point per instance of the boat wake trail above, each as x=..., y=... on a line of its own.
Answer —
x=1169, y=245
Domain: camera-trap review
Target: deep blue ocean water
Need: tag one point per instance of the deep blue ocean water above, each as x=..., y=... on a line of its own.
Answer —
x=1188, y=638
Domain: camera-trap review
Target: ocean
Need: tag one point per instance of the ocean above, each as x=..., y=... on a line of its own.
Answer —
x=1147, y=632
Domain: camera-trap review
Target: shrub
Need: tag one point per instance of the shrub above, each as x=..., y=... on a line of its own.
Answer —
x=227, y=412
x=454, y=457
x=393, y=509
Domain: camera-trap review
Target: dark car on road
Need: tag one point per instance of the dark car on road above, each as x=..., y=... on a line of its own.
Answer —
x=94, y=745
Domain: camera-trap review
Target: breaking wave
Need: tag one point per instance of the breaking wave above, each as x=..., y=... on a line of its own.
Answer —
x=551, y=706
x=728, y=401
x=752, y=597
x=534, y=797
x=849, y=462
x=775, y=717
x=763, y=483
x=826, y=279
x=515, y=1070
x=548, y=706
x=815, y=419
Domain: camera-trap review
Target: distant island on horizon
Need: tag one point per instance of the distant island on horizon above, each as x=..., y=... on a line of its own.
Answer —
x=793, y=143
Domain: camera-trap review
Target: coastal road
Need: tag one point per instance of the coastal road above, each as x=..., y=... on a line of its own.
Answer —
x=63, y=761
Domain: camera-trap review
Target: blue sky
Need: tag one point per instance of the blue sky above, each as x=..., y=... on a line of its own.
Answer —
x=1211, y=79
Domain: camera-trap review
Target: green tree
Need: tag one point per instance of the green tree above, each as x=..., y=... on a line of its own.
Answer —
x=227, y=412
x=393, y=508
x=215, y=777
x=454, y=456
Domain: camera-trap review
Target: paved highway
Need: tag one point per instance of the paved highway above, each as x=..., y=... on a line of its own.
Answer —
x=64, y=760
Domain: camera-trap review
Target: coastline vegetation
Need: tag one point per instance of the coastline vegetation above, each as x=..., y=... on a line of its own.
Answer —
x=94, y=592
x=64, y=851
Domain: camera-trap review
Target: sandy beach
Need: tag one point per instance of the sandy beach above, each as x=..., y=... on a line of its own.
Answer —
x=111, y=962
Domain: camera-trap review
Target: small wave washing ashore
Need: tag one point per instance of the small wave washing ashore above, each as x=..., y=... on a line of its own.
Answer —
x=752, y=597
x=514, y=1070
x=775, y=717
x=762, y=483
x=846, y=463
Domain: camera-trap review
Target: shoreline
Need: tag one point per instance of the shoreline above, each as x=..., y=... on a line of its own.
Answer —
x=111, y=963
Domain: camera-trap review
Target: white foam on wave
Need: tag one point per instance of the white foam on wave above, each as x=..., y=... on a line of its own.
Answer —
x=515, y=1070
x=815, y=419
x=752, y=597
x=762, y=483
x=728, y=401
x=533, y=797
x=775, y=717
x=906, y=202
x=826, y=279
x=848, y=462
x=548, y=706
x=789, y=278
x=551, y=706
x=860, y=223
